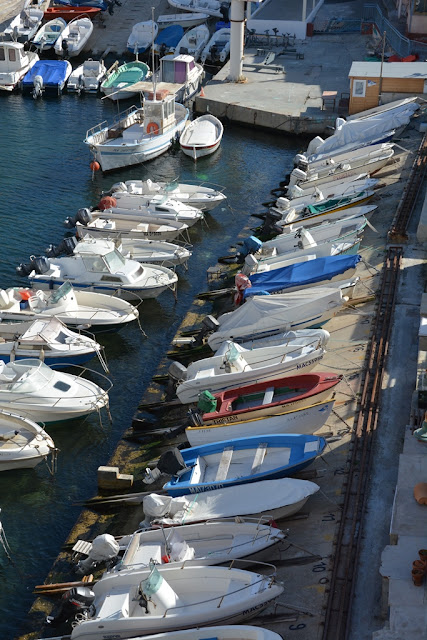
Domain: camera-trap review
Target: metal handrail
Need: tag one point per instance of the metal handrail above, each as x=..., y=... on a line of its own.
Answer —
x=402, y=45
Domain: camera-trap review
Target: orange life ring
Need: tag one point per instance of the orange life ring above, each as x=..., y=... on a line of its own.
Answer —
x=153, y=127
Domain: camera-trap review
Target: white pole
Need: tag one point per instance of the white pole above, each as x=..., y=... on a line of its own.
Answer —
x=237, y=24
x=304, y=10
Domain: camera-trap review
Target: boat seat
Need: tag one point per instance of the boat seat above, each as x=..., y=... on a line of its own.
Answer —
x=4, y=299
x=259, y=458
x=91, y=68
x=198, y=471
x=205, y=373
x=268, y=396
x=116, y=604
x=224, y=464
x=240, y=365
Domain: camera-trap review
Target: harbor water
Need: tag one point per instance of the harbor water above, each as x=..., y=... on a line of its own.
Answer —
x=45, y=177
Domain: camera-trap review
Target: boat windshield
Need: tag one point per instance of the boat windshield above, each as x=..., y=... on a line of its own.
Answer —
x=61, y=292
x=30, y=375
x=114, y=260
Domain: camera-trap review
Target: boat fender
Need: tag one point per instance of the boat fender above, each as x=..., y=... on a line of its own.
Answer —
x=153, y=127
x=107, y=202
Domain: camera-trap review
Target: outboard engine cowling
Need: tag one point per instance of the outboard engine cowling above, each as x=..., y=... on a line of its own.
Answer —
x=66, y=247
x=38, y=86
x=314, y=145
x=41, y=265
x=24, y=269
x=252, y=244
x=177, y=371
x=104, y=549
x=76, y=601
x=83, y=216
x=296, y=176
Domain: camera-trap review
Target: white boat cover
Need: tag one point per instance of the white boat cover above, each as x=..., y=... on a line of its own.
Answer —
x=262, y=315
x=367, y=129
x=240, y=500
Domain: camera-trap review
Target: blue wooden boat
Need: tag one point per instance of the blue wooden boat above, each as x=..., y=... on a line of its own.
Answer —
x=46, y=75
x=243, y=460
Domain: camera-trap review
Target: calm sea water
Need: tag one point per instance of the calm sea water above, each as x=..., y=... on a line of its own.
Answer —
x=45, y=177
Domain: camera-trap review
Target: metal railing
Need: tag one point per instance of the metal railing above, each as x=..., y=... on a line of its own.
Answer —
x=402, y=45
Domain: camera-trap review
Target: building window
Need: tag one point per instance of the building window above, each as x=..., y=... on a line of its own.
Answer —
x=420, y=6
x=359, y=88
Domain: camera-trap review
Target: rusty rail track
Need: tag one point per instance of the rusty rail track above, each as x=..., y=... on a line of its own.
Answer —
x=348, y=539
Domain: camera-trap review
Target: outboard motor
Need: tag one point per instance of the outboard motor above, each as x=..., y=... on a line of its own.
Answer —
x=83, y=216
x=40, y=265
x=65, y=48
x=250, y=265
x=224, y=9
x=300, y=157
x=314, y=145
x=296, y=176
x=252, y=245
x=118, y=186
x=38, y=87
x=66, y=247
x=104, y=549
x=77, y=603
x=170, y=462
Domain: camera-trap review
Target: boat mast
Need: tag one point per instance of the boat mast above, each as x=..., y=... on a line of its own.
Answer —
x=153, y=75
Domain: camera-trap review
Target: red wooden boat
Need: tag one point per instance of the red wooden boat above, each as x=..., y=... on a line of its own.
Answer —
x=297, y=404
x=69, y=13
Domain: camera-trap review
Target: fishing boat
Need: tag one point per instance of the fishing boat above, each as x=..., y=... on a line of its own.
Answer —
x=47, y=339
x=193, y=41
x=186, y=20
x=200, y=544
x=233, y=365
x=141, y=36
x=243, y=460
x=124, y=77
x=217, y=49
x=138, y=134
x=152, y=600
x=87, y=77
x=296, y=404
x=15, y=63
x=198, y=195
x=75, y=308
x=74, y=37
x=263, y=316
x=107, y=226
x=157, y=206
x=24, y=25
x=48, y=34
x=179, y=75
x=70, y=12
x=31, y=388
x=23, y=443
x=47, y=76
x=201, y=137
x=210, y=7
x=269, y=498
x=313, y=215
x=96, y=265
x=167, y=39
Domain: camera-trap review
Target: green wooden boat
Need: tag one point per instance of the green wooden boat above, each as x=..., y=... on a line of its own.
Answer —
x=125, y=76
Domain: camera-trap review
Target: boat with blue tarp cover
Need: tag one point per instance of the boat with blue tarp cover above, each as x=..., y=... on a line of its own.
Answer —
x=101, y=4
x=46, y=75
x=242, y=460
x=303, y=274
x=167, y=39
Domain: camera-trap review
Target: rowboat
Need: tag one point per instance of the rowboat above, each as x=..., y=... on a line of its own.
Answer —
x=201, y=137
x=23, y=443
x=241, y=461
x=71, y=12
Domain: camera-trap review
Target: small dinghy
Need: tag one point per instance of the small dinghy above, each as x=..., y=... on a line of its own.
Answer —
x=31, y=388
x=23, y=443
x=15, y=63
x=193, y=41
x=74, y=37
x=141, y=36
x=297, y=404
x=201, y=137
x=186, y=20
x=167, y=39
x=196, y=195
x=242, y=461
x=48, y=34
x=273, y=498
x=211, y=7
x=107, y=226
x=47, y=76
x=202, y=544
x=96, y=265
x=47, y=339
x=70, y=12
x=122, y=78
x=233, y=365
x=87, y=77
x=218, y=48
x=263, y=316
x=74, y=308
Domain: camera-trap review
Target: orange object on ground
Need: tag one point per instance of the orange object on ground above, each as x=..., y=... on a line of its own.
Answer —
x=420, y=492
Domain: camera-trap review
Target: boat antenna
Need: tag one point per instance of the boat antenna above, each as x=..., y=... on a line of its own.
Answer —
x=153, y=75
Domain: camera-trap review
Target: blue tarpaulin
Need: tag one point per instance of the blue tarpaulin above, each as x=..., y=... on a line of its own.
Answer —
x=101, y=4
x=53, y=73
x=170, y=36
x=301, y=274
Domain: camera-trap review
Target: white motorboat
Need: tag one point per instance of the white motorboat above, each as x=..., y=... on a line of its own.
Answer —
x=233, y=365
x=180, y=75
x=201, y=544
x=137, y=134
x=31, y=388
x=47, y=339
x=197, y=195
x=96, y=265
x=23, y=443
x=193, y=41
x=162, y=207
x=87, y=77
x=201, y=137
x=15, y=62
x=367, y=164
x=270, y=498
x=141, y=36
x=186, y=20
x=263, y=316
x=311, y=216
x=74, y=37
x=24, y=26
x=169, y=598
x=211, y=7
x=48, y=34
x=333, y=188
x=224, y=632
x=343, y=201
x=218, y=48
x=299, y=198
x=105, y=226
x=351, y=157
x=74, y=308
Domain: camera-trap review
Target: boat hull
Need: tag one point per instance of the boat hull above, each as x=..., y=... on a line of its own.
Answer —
x=129, y=294
x=200, y=152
